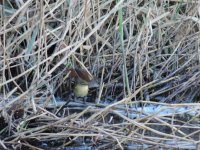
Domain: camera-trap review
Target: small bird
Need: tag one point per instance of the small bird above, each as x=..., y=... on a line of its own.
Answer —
x=81, y=88
x=82, y=80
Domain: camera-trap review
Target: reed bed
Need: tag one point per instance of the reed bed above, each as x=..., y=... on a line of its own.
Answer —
x=144, y=54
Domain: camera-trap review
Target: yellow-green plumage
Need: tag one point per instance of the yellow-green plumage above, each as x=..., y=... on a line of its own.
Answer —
x=81, y=90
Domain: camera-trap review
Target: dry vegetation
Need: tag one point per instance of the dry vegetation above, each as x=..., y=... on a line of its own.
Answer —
x=144, y=53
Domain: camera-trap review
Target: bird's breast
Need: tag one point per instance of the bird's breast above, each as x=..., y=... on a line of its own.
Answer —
x=81, y=90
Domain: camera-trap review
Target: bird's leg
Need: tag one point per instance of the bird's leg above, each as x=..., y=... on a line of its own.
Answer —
x=84, y=99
